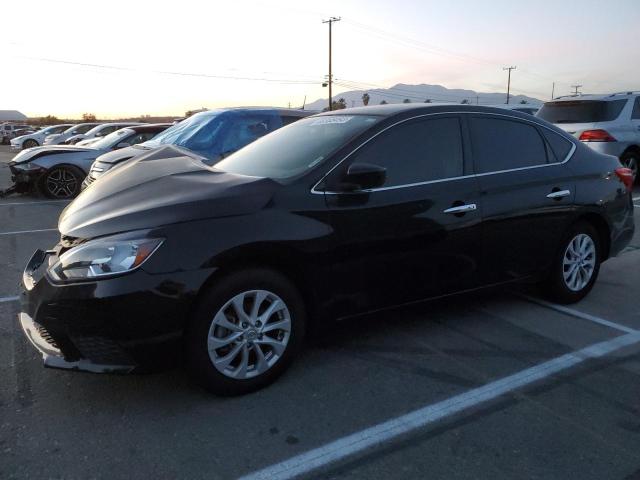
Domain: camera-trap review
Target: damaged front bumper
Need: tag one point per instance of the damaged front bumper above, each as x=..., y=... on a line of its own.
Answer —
x=24, y=179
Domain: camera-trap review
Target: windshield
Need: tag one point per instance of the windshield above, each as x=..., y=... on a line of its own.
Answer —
x=195, y=132
x=112, y=139
x=297, y=148
x=581, y=111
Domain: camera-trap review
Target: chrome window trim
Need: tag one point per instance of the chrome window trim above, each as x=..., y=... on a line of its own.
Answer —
x=408, y=185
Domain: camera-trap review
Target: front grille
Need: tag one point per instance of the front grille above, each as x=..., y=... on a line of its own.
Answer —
x=46, y=336
x=101, y=350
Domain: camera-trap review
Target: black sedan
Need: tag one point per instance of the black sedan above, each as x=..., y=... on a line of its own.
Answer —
x=333, y=216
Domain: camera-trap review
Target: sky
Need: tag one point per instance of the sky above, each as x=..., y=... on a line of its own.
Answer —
x=166, y=57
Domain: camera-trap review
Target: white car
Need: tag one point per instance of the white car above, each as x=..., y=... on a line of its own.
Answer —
x=99, y=131
x=37, y=138
x=58, y=138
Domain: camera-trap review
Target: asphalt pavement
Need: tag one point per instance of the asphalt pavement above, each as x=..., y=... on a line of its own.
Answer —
x=495, y=385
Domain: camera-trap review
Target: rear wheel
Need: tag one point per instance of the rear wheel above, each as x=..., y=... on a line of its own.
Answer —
x=62, y=182
x=631, y=160
x=245, y=332
x=576, y=266
x=29, y=143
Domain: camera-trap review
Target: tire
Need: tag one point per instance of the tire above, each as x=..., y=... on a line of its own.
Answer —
x=565, y=287
x=61, y=182
x=631, y=160
x=30, y=143
x=236, y=348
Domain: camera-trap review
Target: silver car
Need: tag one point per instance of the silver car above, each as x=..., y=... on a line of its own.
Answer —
x=37, y=138
x=607, y=123
x=58, y=138
x=57, y=171
x=99, y=131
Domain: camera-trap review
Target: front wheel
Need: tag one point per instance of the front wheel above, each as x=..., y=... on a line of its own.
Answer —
x=245, y=332
x=576, y=266
x=29, y=144
x=61, y=182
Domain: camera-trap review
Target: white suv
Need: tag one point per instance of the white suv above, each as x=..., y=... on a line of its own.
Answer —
x=607, y=123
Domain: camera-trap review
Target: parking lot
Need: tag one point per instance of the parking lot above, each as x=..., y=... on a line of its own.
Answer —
x=412, y=393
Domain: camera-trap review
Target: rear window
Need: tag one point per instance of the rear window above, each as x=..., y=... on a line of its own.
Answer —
x=581, y=111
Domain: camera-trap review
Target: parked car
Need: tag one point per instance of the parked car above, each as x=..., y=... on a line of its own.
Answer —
x=213, y=134
x=607, y=123
x=36, y=138
x=336, y=215
x=58, y=138
x=9, y=131
x=57, y=171
x=99, y=131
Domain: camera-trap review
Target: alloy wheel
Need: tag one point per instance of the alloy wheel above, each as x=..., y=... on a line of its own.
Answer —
x=579, y=262
x=249, y=334
x=61, y=183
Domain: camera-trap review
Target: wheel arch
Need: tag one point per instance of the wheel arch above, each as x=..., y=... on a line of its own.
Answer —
x=602, y=227
x=631, y=149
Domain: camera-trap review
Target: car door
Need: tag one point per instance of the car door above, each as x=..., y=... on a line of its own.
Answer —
x=527, y=194
x=416, y=236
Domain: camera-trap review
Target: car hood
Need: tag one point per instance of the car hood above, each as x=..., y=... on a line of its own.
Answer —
x=31, y=154
x=165, y=186
x=122, y=154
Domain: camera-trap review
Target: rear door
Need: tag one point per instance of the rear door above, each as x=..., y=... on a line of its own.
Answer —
x=410, y=238
x=526, y=191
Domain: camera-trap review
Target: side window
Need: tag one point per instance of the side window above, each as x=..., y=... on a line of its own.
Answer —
x=417, y=151
x=636, y=110
x=560, y=146
x=505, y=144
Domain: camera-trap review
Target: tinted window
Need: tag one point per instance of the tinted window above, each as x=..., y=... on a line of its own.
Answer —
x=560, y=146
x=245, y=129
x=581, y=111
x=295, y=149
x=636, y=109
x=58, y=129
x=504, y=145
x=416, y=151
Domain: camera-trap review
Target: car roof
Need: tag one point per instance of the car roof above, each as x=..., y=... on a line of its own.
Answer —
x=149, y=127
x=390, y=110
x=596, y=96
x=279, y=110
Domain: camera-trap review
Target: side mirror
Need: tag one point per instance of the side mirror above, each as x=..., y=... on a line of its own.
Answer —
x=363, y=176
x=121, y=145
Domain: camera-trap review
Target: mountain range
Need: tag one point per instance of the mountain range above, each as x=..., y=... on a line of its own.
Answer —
x=419, y=93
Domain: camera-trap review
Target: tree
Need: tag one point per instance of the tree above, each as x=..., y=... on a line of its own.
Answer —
x=465, y=102
x=88, y=117
x=428, y=100
x=48, y=120
x=383, y=102
x=365, y=98
x=523, y=102
x=406, y=100
x=337, y=105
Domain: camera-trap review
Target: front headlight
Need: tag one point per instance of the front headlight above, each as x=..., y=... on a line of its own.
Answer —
x=103, y=258
x=27, y=166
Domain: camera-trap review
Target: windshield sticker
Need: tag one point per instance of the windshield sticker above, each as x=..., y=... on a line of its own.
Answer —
x=331, y=119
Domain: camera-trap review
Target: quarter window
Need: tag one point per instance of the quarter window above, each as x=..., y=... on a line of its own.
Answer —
x=560, y=146
x=417, y=151
x=636, y=109
x=505, y=145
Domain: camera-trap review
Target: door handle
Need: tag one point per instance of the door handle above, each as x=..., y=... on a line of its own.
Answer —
x=558, y=194
x=469, y=207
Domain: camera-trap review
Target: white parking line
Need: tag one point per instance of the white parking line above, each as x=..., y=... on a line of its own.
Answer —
x=34, y=203
x=636, y=199
x=579, y=314
x=391, y=429
x=18, y=232
x=9, y=299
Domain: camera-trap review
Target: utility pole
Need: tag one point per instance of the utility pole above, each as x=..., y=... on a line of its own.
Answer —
x=330, y=22
x=509, y=81
x=576, y=87
x=553, y=90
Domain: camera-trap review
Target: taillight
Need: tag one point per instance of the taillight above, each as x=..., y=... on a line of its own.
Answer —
x=626, y=176
x=596, y=136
